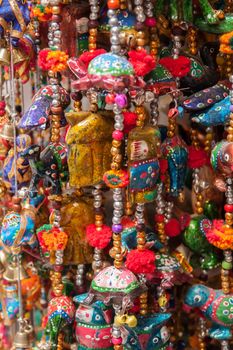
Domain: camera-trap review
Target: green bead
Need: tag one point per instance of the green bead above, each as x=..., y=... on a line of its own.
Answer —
x=226, y=265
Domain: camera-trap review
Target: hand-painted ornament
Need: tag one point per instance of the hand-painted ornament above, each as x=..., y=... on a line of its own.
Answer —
x=19, y=228
x=216, y=306
x=175, y=153
x=195, y=238
x=222, y=163
x=49, y=165
x=15, y=13
x=218, y=114
x=93, y=325
x=89, y=140
x=117, y=286
x=160, y=80
x=206, y=98
x=23, y=169
x=61, y=311
x=37, y=116
x=143, y=164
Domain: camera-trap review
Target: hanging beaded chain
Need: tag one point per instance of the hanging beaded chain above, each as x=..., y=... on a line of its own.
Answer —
x=80, y=275
x=230, y=126
x=151, y=23
x=93, y=24
x=35, y=77
x=227, y=262
x=208, y=139
x=141, y=242
x=154, y=111
x=97, y=263
x=140, y=25
x=197, y=190
x=192, y=40
x=159, y=217
x=228, y=207
x=202, y=333
x=168, y=211
x=228, y=65
x=116, y=251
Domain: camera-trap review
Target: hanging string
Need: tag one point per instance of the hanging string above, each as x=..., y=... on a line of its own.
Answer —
x=13, y=111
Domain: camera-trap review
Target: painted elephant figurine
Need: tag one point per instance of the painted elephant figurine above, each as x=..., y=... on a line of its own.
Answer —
x=204, y=254
x=175, y=152
x=222, y=163
x=49, y=165
x=23, y=168
x=15, y=13
x=61, y=311
x=210, y=15
x=216, y=306
x=149, y=334
x=93, y=324
x=19, y=228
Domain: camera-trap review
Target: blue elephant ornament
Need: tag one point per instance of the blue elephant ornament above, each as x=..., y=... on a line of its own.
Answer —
x=215, y=306
x=14, y=13
x=175, y=152
x=19, y=228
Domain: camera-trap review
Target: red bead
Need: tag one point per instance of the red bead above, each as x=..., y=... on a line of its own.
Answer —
x=117, y=135
x=150, y=22
x=159, y=218
x=117, y=341
x=110, y=99
x=228, y=208
x=2, y=112
x=2, y=104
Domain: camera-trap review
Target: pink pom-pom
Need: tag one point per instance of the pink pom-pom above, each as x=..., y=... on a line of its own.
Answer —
x=140, y=261
x=98, y=238
x=172, y=228
x=150, y=22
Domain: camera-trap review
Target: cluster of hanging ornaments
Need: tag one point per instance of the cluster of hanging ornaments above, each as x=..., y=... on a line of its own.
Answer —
x=116, y=185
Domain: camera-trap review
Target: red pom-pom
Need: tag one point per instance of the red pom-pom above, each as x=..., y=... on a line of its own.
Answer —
x=140, y=261
x=177, y=67
x=172, y=228
x=87, y=56
x=197, y=157
x=42, y=59
x=141, y=61
x=130, y=119
x=98, y=238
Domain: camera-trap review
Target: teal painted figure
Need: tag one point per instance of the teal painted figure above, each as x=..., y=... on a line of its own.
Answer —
x=194, y=237
x=19, y=228
x=216, y=307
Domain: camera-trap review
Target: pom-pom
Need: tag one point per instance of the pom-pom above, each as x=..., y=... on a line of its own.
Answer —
x=130, y=119
x=98, y=238
x=177, y=67
x=220, y=235
x=172, y=228
x=197, y=158
x=142, y=62
x=87, y=56
x=41, y=13
x=52, y=60
x=140, y=261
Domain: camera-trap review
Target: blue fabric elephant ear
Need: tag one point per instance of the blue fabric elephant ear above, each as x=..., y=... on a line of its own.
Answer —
x=37, y=115
x=206, y=98
x=130, y=338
